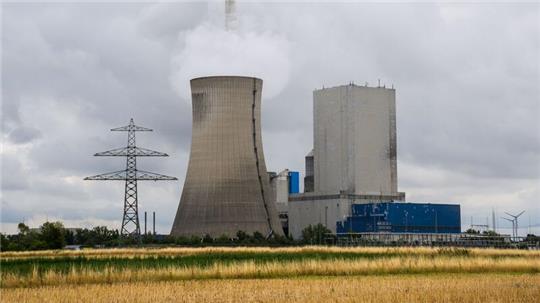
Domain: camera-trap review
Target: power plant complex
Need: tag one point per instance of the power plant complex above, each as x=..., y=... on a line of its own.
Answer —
x=354, y=155
x=350, y=180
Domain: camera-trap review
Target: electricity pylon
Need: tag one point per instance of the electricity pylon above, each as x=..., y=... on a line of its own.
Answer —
x=130, y=220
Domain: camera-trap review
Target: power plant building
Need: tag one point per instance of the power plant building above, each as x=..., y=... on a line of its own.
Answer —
x=402, y=218
x=354, y=156
x=355, y=140
x=309, y=177
x=284, y=184
x=227, y=187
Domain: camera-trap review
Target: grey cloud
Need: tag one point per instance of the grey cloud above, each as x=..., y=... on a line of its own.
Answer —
x=466, y=78
x=164, y=21
x=22, y=135
x=12, y=214
x=14, y=175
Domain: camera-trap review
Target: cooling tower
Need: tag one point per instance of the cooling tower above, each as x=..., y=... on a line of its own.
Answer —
x=227, y=188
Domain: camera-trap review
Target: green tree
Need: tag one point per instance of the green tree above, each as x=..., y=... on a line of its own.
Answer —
x=27, y=239
x=101, y=235
x=195, y=240
x=207, y=239
x=490, y=233
x=148, y=238
x=69, y=237
x=182, y=240
x=82, y=236
x=279, y=240
x=472, y=231
x=258, y=238
x=53, y=234
x=23, y=229
x=532, y=238
x=315, y=234
x=4, y=242
x=223, y=239
x=241, y=236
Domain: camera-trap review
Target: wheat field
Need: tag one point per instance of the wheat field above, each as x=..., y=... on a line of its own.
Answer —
x=300, y=274
x=175, y=251
x=391, y=288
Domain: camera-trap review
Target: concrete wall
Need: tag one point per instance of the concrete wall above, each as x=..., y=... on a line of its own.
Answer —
x=227, y=187
x=355, y=140
x=313, y=212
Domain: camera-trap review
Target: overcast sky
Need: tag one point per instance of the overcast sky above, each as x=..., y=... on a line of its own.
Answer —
x=467, y=79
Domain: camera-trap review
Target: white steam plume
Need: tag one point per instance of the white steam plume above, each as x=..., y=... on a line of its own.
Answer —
x=209, y=50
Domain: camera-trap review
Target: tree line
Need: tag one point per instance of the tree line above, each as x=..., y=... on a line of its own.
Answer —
x=53, y=235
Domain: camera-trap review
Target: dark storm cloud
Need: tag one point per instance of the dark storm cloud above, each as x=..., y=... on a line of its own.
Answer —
x=466, y=76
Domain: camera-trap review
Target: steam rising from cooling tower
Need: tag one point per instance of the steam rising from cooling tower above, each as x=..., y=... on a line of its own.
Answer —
x=212, y=48
x=227, y=187
x=230, y=15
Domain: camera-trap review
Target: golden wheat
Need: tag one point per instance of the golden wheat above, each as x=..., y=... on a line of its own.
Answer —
x=180, y=251
x=380, y=289
x=251, y=269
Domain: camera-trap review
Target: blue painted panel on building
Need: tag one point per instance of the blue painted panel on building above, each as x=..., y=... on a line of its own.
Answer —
x=403, y=217
x=294, y=182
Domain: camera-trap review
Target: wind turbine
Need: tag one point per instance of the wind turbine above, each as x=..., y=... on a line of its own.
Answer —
x=513, y=226
x=516, y=219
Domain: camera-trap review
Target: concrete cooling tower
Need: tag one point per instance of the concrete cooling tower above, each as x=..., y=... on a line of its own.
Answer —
x=227, y=188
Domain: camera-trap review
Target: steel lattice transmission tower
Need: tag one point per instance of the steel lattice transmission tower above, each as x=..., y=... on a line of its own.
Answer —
x=130, y=221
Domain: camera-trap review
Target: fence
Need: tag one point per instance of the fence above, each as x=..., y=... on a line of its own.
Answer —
x=428, y=239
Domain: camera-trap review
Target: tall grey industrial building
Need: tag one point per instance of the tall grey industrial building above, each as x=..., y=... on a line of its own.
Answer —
x=354, y=155
x=227, y=187
x=355, y=140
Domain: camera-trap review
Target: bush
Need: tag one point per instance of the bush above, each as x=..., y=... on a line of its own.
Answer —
x=241, y=236
x=207, y=239
x=315, y=234
x=223, y=239
x=472, y=231
x=258, y=238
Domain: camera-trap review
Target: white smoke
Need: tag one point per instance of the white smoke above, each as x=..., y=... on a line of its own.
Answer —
x=210, y=50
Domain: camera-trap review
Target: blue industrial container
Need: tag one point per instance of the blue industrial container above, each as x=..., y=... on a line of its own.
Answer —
x=294, y=182
x=402, y=218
